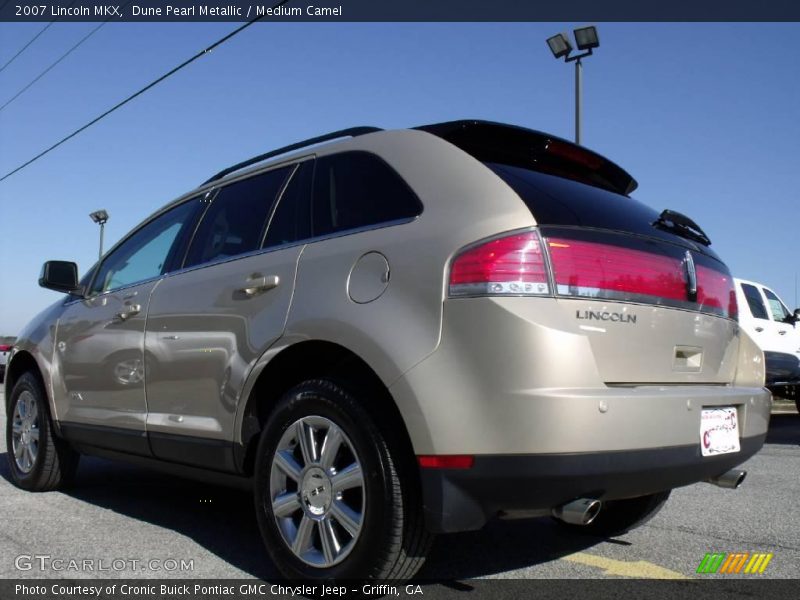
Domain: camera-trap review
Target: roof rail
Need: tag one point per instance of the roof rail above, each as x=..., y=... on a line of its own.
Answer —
x=351, y=132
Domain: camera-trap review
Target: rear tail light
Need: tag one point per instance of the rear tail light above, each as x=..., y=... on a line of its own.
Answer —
x=715, y=291
x=511, y=265
x=516, y=265
x=4, y=348
x=601, y=270
x=595, y=270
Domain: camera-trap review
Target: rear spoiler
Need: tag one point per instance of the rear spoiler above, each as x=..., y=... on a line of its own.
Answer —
x=512, y=145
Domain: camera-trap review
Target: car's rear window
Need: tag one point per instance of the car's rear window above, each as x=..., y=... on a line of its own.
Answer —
x=557, y=201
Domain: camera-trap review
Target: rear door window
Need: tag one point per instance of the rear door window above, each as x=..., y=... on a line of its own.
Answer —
x=234, y=224
x=754, y=301
x=357, y=189
x=291, y=220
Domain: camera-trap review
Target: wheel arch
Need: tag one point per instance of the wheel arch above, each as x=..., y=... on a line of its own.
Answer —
x=316, y=359
x=23, y=362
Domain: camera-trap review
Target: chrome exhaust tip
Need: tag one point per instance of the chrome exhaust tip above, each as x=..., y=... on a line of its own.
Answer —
x=578, y=512
x=730, y=480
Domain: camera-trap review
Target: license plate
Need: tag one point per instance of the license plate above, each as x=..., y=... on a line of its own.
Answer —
x=719, y=431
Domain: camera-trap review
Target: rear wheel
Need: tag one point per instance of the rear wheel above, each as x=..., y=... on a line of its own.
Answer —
x=333, y=499
x=619, y=516
x=39, y=461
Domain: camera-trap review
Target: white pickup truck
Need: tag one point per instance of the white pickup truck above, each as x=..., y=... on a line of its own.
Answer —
x=764, y=316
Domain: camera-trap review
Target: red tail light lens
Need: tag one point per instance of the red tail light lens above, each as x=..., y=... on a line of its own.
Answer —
x=591, y=269
x=574, y=154
x=4, y=348
x=715, y=291
x=515, y=265
x=449, y=461
x=512, y=265
x=596, y=270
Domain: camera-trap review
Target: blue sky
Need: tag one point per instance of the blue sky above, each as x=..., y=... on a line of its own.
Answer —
x=705, y=116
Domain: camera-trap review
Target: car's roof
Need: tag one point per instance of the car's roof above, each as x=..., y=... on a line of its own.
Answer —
x=458, y=135
x=464, y=134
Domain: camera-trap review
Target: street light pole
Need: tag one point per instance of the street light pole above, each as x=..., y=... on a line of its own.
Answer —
x=586, y=39
x=578, y=99
x=100, y=251
x=100, y=217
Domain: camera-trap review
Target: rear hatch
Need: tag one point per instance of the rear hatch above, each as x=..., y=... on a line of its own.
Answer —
x=656, y=303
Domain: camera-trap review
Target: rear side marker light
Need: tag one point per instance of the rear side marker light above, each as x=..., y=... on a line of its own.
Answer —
x=451, y=461
x=512, y=265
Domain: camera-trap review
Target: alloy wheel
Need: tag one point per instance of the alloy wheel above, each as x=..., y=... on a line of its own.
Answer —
x=317, y=491
x=25, y=432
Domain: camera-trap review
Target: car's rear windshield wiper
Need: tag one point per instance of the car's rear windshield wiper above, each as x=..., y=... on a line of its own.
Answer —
x=681, y=225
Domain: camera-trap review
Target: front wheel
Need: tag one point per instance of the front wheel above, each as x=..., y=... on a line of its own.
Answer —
x=333, y=497
x=39, y=461
x=619, y=516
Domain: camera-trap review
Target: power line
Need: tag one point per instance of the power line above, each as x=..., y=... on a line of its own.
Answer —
x=62, y=57
x=141, y=91
x=47, y=70
x=21, y=50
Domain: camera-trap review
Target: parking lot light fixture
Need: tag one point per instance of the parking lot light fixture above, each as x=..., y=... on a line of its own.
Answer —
x=100, y=217
x=559, y=45
x=586, y=40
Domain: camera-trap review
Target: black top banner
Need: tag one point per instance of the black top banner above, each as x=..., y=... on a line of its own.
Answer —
x=400, y=10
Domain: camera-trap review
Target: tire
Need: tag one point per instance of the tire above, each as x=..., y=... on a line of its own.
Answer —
x=620, y=516
x=344, y=498
x=38, y=460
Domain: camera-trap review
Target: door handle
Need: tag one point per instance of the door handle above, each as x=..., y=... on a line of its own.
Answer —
x=759, y=329
x=782, y=332
x=130, y=311
x=258, y=284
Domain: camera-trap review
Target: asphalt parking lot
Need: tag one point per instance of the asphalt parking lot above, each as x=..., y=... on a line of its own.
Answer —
x=116, y=511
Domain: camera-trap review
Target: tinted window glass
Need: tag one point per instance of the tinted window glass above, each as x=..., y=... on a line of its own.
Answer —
x=776, y=307
x=358, y=189
x=754, y=301
x=234, y=223
x=555, y=200
x=146, y=253
x=291, y=221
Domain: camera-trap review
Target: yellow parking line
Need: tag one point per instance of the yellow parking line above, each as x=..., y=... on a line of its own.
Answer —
x=640, y=569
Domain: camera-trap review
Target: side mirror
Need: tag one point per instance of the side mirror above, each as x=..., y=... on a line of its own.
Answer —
x=61, y=276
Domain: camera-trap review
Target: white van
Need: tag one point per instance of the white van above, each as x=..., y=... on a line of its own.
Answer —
x=764, y=316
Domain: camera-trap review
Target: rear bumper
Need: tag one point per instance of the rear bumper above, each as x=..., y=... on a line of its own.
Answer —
x=517, y=376
x=464, y=499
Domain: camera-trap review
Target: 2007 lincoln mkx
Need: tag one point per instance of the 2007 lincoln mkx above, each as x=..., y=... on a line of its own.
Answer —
x=376, y=331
